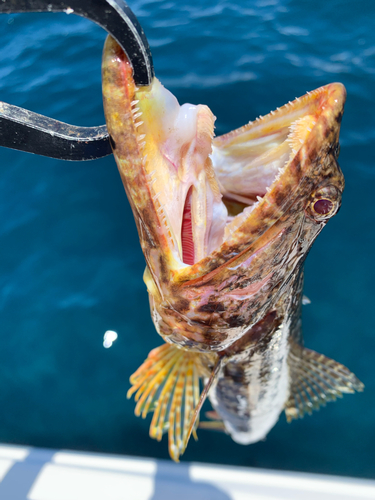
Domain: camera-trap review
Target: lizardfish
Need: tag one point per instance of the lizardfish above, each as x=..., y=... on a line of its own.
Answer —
x=225, y=225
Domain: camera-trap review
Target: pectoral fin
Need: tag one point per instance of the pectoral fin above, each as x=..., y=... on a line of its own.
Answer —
x=314, y=380
x=167, y=383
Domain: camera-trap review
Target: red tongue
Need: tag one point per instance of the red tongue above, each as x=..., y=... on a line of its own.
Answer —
x=187, y=241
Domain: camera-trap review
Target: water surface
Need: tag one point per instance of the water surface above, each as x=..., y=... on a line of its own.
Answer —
x=70, y=263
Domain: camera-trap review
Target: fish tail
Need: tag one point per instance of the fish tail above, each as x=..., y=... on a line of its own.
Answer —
x=168, y=384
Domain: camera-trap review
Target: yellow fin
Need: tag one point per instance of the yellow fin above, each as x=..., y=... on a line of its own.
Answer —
x=315, y=380
x=167, y=383
x=215, y=423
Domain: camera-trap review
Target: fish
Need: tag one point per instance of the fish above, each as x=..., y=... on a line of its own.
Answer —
x=225, y=225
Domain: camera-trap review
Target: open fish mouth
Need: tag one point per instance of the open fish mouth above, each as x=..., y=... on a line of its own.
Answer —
x=197, y=195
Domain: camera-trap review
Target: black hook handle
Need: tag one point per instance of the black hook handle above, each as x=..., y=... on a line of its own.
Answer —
x=33, y=133
x=114, y=16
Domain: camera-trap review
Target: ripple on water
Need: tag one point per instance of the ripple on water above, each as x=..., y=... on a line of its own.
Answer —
x=70, y=263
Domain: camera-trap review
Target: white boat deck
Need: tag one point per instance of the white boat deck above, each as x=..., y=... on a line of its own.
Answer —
x=41, y=474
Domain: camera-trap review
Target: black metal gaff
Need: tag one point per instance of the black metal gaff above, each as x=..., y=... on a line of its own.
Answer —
x=28, y=131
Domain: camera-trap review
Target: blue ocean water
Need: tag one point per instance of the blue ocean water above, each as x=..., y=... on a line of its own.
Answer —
x=70, y=262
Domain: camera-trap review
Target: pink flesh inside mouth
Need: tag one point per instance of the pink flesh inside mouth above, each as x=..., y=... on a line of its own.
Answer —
x=187, y=242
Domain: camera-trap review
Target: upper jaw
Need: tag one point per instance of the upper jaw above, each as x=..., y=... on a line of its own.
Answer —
x=271, y=163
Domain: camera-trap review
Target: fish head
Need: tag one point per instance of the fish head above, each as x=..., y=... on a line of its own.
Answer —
x=224, y=223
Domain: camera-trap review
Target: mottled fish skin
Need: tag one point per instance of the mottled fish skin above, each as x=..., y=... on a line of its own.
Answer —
x=241, y=302
x=254, y=381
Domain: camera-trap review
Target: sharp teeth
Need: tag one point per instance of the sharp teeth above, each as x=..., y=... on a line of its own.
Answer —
x=135, y=110
x=259, y=198
x=133, y=103
x=140, y=137
x=309, y=129
x=138, y=124
x=301, y=141
x=151, y=178
x=137, y=115
x=268, y=189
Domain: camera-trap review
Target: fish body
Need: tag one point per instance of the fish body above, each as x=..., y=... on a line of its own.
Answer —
x=225, y=225
x=256, y=380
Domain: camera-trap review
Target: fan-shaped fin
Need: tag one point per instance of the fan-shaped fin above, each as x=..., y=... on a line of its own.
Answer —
x=167, y=383
x=316, y=379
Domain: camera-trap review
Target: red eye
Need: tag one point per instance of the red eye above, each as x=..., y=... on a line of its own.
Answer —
x=323, y=207
x=324, y=203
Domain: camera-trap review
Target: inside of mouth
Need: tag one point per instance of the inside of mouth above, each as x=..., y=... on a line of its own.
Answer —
x=249, y=160
x=202, y=188
x=247, y=167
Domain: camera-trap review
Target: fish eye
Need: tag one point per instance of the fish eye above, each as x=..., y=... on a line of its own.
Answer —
x=324, y=203
x=323, y=207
